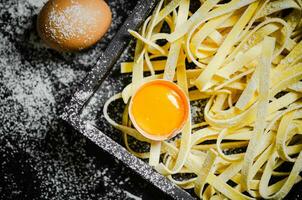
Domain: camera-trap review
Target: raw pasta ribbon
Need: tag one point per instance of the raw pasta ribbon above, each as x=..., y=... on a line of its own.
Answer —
x=240, y=63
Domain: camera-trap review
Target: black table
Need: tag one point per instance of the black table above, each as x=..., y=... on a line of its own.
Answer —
x=42, y=157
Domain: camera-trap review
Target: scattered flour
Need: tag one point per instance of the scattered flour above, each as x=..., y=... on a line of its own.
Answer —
x=65, y=76
x=40, y=157
x=33, y=93
x=72, y=22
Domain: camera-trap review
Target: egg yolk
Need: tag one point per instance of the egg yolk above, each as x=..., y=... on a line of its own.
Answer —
x=159, y=108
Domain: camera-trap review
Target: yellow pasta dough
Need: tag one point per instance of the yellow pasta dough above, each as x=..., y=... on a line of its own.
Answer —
x=243, y=59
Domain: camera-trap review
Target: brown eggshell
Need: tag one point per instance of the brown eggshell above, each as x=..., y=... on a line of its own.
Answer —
x=71, y=25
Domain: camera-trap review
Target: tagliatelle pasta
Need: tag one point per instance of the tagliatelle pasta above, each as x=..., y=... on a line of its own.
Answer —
x=240, y=64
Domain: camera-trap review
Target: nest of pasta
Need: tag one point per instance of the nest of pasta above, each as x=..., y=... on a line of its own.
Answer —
x=240, y=63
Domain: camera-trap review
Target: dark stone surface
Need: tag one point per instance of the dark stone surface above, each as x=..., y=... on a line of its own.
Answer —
x=42, y=157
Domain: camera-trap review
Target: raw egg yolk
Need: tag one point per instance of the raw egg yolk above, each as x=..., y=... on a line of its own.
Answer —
x=159, y=108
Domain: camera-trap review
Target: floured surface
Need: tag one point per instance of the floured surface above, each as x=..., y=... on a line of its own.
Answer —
x=40, y=156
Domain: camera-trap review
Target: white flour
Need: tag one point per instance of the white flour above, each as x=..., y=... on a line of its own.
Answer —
x=40, y=156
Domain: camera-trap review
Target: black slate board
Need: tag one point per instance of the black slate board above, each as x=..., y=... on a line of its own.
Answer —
x=103, y=81
x=85, y=109
x=95, y=89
